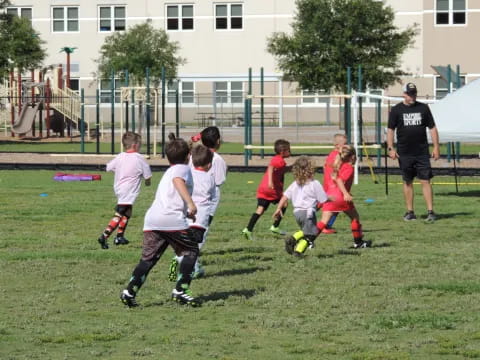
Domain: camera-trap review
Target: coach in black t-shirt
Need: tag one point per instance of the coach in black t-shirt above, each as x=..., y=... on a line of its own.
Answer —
x=410, y=119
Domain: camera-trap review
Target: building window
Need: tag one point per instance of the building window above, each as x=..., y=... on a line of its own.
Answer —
x=74, y=84
x=441, y=86
x=228, y=16
x=24, y=12
x=65, y=19
x=450, y=12
x=106, y=90
x=314, y=98
x=111, y=18
x=186, y=92
x=180, y=17
x=229, y=92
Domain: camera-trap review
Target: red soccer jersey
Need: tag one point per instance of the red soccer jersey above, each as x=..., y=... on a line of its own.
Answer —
x=328, y=169
x=346, y=174
x=263, y=191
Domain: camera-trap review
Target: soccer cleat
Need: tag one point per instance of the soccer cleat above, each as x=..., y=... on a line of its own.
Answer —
x=409, y=216
x=120, y=240
x=431, y=217
x=290, y=243
x=277, y=230
x=328, y=231
x=362, y=244
x=184, y=297
x=172, y=274
x=247, y=233
x=128, y=299
x=103, y=242
x=311, y=245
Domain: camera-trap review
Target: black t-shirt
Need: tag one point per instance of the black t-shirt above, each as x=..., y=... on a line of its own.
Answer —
x=411, y=122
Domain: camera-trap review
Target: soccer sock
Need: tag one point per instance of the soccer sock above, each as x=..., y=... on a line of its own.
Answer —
x=253, y=221
x=278, y=220
x=357, y=231
x=122, y=225
x=320, y=226
x=332, y=220
x=186, y=270
x=139, y=275
x=112, y=225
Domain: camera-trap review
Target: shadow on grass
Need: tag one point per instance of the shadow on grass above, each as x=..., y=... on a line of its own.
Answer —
x=234, y=272
x=224, y=295
x=447, y=216
x=470, y=193
x=249, y=249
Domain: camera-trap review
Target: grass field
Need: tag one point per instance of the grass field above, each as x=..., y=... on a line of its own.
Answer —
x=414, y=295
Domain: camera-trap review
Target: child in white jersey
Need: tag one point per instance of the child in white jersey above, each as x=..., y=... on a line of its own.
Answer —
x=203, y=195
x=166, y=224
x=305, y=192
x=129, y=167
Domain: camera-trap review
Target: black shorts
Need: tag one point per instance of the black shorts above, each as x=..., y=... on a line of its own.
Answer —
x=156, y=242
x=266, y=203
x=415, y=166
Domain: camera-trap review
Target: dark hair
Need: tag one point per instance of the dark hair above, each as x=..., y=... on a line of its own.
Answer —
x=130, y=138
x=211, y=137
x=201, y=155
x=281, y=145
x=177, y=150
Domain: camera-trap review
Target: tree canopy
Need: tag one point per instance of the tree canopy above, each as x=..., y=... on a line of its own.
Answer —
x=139, y=47
x=20, y=45
x=330, y=35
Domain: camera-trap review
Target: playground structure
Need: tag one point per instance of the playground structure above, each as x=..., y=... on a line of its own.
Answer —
x=25, y=102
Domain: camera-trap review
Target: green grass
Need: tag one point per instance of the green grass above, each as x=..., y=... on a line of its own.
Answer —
x=414, y=295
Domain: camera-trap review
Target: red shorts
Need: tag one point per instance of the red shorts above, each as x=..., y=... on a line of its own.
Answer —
x=339, y=204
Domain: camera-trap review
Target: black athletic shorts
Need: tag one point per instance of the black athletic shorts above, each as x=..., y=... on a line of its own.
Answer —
x=156, y=242
x=266, y=203
x=415, y=166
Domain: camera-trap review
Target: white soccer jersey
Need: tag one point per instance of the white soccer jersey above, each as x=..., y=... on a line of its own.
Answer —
x=169, y=211
x=305, y=197
x=203, y=195
x=129, y=168
x=219, y=173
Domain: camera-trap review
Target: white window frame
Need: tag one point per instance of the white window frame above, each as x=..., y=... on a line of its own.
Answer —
x=229, y=92
x=228, y=17
x=451, y=12
x=65, y=19
x=463, y=80
x=112, y=18
x=19, y=9
x=171, y=93
x=179, y=17
x=315, y=101
x=105, y=92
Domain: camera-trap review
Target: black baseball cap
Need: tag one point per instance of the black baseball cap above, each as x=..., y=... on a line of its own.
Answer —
x=410, y=89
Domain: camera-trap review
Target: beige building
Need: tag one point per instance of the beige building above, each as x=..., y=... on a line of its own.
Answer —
x=221, y=40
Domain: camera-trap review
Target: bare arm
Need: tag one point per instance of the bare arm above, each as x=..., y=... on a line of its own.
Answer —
x=392, y=153
x=436, y=143
x=341, y=185
x=270, y=176
x=180, y=186
x=281, y=204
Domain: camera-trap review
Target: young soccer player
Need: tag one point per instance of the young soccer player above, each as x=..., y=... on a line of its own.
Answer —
x=129, y=167
x=166, y=224
x=339, y=190
x=270, y=189
x=305, y=193
x=338, y=141
x=203, y=195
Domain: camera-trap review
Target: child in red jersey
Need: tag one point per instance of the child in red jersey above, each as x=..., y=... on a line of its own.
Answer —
x=339, y=140
x=270, y=189
x=339, y=189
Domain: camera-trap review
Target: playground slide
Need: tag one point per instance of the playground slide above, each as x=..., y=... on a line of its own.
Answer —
x=23, y=123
